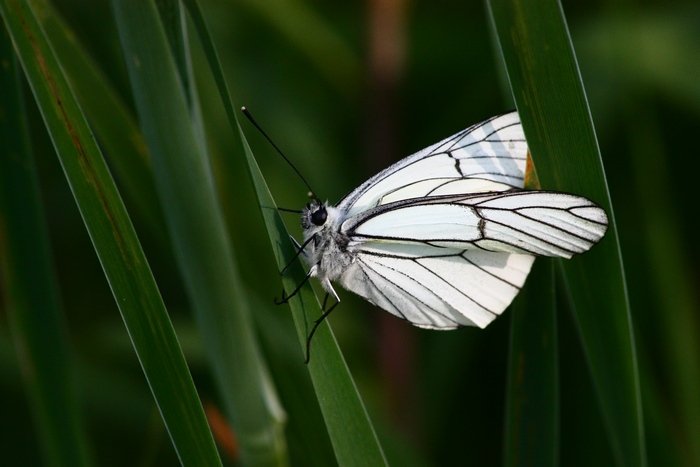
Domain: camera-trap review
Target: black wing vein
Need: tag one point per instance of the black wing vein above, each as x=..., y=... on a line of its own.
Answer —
x=488, y=272
x=455, y=288
x=407, y=293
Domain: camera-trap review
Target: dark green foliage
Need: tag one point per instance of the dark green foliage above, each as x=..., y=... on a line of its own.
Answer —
x=440, y=398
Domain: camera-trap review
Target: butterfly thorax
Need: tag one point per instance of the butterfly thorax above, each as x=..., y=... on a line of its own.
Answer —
x=327, y=248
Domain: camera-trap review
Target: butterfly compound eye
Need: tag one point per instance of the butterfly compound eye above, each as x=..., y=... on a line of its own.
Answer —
x=319, y=217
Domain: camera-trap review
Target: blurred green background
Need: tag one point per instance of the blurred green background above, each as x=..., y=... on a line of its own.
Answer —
x=345, y=88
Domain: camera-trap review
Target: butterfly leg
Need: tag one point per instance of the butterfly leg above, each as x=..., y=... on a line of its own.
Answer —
x=285, y=298
x=300, y=251
x=316, y=324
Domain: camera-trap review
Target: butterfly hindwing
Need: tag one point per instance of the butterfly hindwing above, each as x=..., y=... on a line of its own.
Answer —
x=443, y=290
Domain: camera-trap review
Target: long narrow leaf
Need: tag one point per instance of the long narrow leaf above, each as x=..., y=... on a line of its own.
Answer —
x=532, y=404
x=349, y=427
x=185, y=186
x=113, y=123
x=114, y=239
x=549, y=95
x=29, y=285
x=671, y=272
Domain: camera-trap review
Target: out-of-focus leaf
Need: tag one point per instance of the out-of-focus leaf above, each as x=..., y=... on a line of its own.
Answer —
x=532, y=401
x=307, y=30
x=113, y=123
x=185, y=186
x=672, y=278
x=28, y=284
x=114, y=239
x=549, y=95
x=347, y=422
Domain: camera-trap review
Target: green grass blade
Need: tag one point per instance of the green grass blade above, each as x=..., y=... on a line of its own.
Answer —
x=175, y=28
x=30, y=290
x=549, y=95
x=204, y=254
x=671, y=276
x=532, y=404
x=114, y=239
x=112, y=122
x=307, y=437
x=351, y=432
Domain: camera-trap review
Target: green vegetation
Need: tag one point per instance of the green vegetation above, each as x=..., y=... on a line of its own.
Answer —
x=137, y=279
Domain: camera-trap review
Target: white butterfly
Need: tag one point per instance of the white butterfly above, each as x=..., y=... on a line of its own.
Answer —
x=446, y=237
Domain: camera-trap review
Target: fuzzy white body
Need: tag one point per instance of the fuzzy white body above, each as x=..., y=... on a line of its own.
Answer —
x=327, y=254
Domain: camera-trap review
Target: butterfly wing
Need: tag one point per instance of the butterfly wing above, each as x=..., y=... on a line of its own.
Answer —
x=448, y=261
x=438, y=288
x=543, y=223
x=446, y=237
x=488, y=156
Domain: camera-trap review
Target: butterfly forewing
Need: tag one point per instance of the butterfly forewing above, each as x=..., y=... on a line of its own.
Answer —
x=494, y=150
x=529, y=222
x=441, y=187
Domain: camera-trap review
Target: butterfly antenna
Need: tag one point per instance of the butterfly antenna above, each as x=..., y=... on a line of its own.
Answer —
x=252, y=120
x=295, y=211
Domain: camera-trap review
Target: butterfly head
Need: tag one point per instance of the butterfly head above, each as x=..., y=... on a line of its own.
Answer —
x=314, y=215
